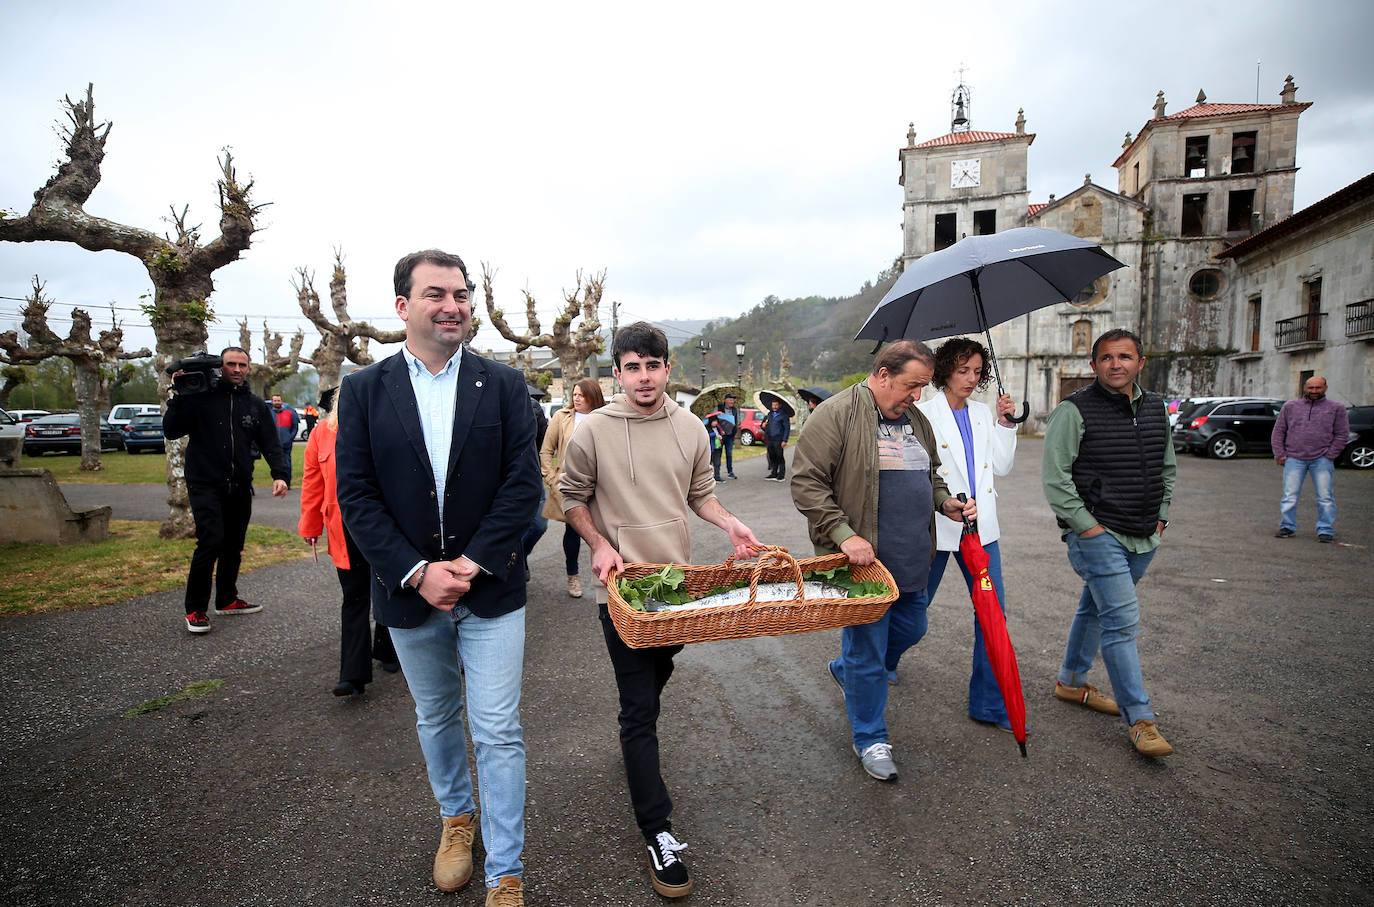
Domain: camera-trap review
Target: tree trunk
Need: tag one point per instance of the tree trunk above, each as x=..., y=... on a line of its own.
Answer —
x=86, y=383
x=179, y=334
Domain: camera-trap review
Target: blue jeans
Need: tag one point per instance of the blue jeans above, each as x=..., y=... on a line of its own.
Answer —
x=984, y=696
x=1107, y=618
x=1323, y=472
x=572, y=546
x=493, y=656
x=867, y=653
x=730, y=455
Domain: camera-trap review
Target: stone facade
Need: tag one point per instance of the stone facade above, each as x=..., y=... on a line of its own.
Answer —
x=1190, y=186
x=1283, y=334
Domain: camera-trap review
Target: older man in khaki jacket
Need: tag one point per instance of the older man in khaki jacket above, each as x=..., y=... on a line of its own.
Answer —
x=866, y=477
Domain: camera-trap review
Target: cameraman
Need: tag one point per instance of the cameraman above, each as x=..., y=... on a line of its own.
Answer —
x=227, y=426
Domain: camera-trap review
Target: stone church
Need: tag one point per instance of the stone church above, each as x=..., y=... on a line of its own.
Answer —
x=1231, y=292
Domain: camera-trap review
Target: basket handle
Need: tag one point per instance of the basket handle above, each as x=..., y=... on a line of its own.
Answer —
x=774, y=554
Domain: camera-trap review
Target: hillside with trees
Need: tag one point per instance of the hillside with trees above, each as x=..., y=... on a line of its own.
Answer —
x=814, y=333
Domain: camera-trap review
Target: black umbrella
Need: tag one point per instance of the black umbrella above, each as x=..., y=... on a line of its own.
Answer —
x=813, y=392
x=765, y=400
x=982, y=281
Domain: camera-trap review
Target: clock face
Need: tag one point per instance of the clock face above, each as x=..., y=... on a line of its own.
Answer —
x=964, y=174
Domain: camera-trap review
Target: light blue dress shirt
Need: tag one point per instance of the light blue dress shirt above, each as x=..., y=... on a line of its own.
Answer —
x=436, y=398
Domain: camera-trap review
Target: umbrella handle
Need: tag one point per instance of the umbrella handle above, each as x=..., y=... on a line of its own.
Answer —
x=970, y=528
x=1025, y=413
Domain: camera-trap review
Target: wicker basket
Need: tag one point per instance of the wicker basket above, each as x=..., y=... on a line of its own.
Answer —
x=640, y=629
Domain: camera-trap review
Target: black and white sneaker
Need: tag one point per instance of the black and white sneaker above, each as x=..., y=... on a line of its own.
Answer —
x=667, y=872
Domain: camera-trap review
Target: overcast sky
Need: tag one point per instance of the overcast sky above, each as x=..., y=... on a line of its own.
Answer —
x=705, y=155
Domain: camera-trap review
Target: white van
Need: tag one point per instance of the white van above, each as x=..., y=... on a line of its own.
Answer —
x=123, y=413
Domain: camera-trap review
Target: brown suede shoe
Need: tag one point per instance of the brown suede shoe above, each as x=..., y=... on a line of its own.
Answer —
x=574, y=586
x=1148, y=741
x=453, y=862
x=510, y=893
x=1087, y=695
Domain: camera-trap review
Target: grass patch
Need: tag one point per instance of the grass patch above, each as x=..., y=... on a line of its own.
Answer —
x=190, y=691
x=123, y=468
x=133, y=561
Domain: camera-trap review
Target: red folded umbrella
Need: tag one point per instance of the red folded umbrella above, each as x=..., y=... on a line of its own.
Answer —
x=996, y=640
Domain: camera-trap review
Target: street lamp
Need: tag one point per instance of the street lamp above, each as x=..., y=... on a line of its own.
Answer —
x=739, y=359
x=705, y=346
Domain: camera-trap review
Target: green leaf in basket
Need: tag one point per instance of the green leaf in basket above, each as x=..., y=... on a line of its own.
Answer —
x=841, y=577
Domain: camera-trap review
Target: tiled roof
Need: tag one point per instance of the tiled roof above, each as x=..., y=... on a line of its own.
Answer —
x=1357, y=191
x=1216, y=110
x=1199, y=111
x=965, y=138
x=1035, y=209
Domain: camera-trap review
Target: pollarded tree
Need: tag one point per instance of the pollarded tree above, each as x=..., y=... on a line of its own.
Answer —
x=345, y=340
x=14, y=376
x=275, y=366
x=573, y=347
x=86, y=355
x=179, y=267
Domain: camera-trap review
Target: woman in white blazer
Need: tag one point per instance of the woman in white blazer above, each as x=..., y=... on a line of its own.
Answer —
x=974, y=447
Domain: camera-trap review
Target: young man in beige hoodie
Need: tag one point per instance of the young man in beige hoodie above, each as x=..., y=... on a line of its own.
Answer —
x=634, y=469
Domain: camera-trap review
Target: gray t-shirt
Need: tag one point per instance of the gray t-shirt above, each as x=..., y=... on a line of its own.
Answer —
x=905, y=500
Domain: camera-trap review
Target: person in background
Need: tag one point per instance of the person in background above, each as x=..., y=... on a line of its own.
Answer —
x=312, y=415
x=586, y=397
x=287, y=422
x=1308, y=437
x=975, y=446
x=729, y=429
x=776, y=430
x=540, y=524
x=717, y=439
x=358, y=645
x=228, y=427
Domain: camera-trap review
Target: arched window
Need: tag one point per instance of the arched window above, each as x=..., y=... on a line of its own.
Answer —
x=1092, y=294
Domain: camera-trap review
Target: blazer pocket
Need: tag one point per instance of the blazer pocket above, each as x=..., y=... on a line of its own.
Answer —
x=664, y=542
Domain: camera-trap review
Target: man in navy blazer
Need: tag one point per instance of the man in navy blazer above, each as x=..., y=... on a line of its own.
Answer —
x=437, y=483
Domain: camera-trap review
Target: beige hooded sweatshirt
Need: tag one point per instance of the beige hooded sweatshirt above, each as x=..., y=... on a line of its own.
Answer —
x=638, y=475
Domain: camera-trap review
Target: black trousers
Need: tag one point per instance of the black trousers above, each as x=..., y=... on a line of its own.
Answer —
x=640, y=675
x=358, y=645
x=777, y=466
x=221, y=514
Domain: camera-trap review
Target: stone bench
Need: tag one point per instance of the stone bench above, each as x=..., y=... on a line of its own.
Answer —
x=34, y=510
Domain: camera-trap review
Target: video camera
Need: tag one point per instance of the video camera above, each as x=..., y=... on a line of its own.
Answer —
x=200, y=373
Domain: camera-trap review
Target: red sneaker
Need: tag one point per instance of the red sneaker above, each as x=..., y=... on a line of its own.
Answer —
x=237, y=606
x=197, y=622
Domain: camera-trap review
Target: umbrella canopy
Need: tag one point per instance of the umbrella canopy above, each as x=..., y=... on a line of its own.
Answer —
x=722, y=416
x=813, y=393
x=765, y=399
x=982, y=281
x=535, y=392
x=712, y=397
x=996, y=639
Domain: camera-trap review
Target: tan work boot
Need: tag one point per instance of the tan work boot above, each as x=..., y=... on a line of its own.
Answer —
x=574, y=587
x=453, y=862
x=510, y=893
x=1148, y=740
x=1087, y=695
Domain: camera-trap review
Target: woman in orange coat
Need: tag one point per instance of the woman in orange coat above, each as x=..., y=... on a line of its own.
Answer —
x=320, y=512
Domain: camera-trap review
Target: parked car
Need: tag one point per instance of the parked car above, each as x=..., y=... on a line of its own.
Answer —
x=750, y=428
x=121, y=414
x=144, y=432
x=10, y=426
x=62, y=432
x=28, y=415
x=1188, y=404
x=1359, y=452
x=1227, y=428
